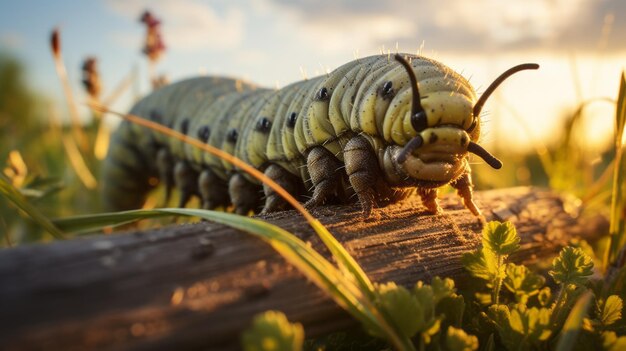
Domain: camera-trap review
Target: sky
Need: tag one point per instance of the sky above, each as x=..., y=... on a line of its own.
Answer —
x=580, y=45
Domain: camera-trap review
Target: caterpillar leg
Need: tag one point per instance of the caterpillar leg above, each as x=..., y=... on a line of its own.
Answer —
x=186, y=180
x=291, y=183
x=366, y=177
x=164, y=165
x=464, y=186
x=324, y=168
x=212, y=190
x=244, y=195
x=429, y=199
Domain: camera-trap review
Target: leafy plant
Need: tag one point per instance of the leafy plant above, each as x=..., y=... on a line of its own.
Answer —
x=519, y=327
x=499, y=240
x=459, y=340
x=609, y=311
x=522, y=282
x=271, y=331
x=411, y=312
x=523, y=322
x=611, y=342
x=573, y=266
x=571, y=269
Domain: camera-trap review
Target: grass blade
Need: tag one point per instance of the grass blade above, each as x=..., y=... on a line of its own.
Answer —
x=618, y=204
x=343, y=257
x=89, y=223
x=574, y=323
x=78, y=163
x=14, y=195
x=77, y=130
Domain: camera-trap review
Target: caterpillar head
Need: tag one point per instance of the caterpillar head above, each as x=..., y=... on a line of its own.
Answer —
x=437, y=154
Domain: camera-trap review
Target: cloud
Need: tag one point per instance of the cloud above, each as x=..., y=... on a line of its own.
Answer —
x=460, y=25
x=450, y=26
x=587, y=30
x=330, y=26
x=187, y=24
x=362, y=31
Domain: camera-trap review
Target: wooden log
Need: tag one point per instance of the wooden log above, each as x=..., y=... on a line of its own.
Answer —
x=197, y=286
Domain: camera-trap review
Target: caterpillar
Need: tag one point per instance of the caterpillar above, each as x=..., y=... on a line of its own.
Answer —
x=374, y=130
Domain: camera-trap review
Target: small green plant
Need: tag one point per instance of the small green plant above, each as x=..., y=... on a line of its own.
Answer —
x=611, y=342
x=410, y=312
x=609, y=311
x=573, y=266
x=488, y=264
x=271, y=331
x=459, y=340
x=527, y=315
x=520, y=327
x=413, y=312
x=523, y=283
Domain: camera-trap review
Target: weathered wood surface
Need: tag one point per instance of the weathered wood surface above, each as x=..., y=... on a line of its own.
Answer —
x=196, y=286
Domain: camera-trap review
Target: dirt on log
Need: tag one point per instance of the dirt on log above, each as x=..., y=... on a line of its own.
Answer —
x=196, y=286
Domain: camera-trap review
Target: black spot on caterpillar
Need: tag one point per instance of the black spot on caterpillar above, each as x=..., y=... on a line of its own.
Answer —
x=376, y=127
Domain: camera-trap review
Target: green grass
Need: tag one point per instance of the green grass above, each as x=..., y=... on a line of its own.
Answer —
x=9, y=192
x=618, y=196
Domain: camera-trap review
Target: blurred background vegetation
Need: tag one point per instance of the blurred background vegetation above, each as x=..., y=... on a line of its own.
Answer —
x=34, y=159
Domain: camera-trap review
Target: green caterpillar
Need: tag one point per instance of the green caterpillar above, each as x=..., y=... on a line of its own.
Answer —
x=375, y=129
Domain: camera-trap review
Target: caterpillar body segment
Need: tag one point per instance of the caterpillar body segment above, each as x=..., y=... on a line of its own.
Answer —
x=137, y=156
x=375, y=129
x=127, y=171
